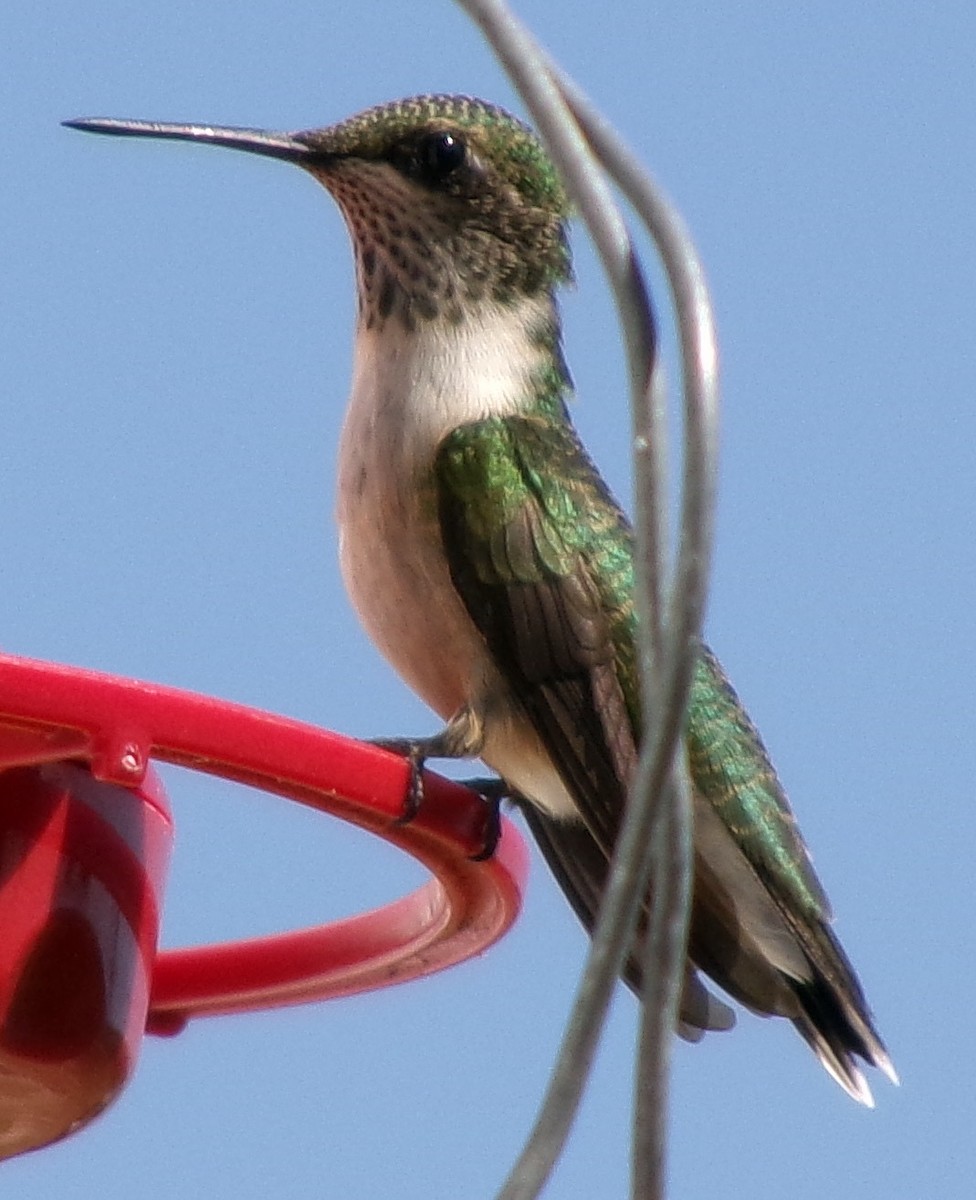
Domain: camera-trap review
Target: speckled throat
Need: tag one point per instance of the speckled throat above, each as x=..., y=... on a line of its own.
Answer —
x=418, y=259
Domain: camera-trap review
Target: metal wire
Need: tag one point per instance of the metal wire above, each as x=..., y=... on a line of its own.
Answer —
x=656, y=831
x=667, y=936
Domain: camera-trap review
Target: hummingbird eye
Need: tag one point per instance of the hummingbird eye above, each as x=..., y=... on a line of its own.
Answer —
x=440, y=154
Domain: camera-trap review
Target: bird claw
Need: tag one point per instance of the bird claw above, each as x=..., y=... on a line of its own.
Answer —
x=416, y=751
x=492, y=791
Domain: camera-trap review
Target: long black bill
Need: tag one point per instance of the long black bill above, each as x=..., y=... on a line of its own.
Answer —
x=255, y=141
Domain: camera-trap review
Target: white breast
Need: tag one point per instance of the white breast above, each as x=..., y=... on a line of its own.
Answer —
x=409, y=390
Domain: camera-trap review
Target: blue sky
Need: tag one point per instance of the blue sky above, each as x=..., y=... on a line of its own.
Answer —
x=174, y=354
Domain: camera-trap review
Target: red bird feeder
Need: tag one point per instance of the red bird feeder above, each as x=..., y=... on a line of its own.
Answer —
x=85, y=837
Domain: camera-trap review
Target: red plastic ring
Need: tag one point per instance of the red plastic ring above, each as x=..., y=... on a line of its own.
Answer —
x=50, y=712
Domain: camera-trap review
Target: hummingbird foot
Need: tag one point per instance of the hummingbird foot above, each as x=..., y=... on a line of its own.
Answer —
x=461, y=737
x=493, y=791
x=415, y=751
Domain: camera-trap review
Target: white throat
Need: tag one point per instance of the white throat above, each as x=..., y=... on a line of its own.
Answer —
x=410, y=388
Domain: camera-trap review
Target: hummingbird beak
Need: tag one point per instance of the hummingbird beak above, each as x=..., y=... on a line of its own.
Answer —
x=256, y=141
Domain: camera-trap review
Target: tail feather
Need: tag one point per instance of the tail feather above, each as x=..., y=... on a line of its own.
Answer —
x=838, y=1029
x=747, y=952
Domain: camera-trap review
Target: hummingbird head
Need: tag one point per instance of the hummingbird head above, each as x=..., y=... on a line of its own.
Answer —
x=451, y=202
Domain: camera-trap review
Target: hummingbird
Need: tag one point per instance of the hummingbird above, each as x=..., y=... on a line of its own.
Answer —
x=491, y=565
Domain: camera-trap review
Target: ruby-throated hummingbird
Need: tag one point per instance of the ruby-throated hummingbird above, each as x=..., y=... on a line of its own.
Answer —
x=492, y=567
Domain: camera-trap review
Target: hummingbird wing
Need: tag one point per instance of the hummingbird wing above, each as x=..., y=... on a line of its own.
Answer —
x=542, y=557
x=545, y=572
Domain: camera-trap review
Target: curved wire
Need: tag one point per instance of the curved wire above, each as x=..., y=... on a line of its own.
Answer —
x=667, y=934
x=657, y=828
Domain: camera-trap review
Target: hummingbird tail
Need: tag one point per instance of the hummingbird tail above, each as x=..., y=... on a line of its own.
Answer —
x=826, y=1005
x=839, y=1032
